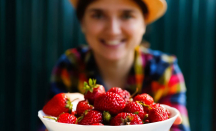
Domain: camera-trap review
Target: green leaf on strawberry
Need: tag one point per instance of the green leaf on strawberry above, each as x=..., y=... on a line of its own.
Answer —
x=89, y=87
x=69, y=105
x=137, y=112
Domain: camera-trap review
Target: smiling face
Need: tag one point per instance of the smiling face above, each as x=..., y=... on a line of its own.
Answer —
x=113, y=28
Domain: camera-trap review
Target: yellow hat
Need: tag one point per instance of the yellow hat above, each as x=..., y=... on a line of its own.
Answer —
x=156, y=9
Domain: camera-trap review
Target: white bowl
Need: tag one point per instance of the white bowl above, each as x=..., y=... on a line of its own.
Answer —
x=51, y=125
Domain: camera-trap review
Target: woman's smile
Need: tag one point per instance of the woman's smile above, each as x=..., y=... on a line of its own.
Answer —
x=113, y=43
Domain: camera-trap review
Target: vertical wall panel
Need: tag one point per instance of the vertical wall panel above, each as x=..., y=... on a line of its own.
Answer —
x=43, y=75
x=37, y=17
x=9, y=64
x=35, y=58
x=181, y=37
x=156, y=33
x=52, y=33
x=2, y=65
x=19, y=42
x=184, y=34
x=23, y=65
x=209, y=55
x=171, y=26
x=67, y=26
x=193, y=75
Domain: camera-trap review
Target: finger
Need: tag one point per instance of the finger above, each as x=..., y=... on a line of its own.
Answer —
x=178, y=120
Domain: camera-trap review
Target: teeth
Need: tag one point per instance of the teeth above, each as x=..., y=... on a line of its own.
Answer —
x=114, y=42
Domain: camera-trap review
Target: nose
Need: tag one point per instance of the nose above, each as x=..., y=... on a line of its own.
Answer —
x=113, y=27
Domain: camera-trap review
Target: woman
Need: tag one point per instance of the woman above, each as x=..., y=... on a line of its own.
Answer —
x=113, y=30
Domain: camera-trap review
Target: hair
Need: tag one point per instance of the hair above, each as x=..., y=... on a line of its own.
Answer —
x=82, y=5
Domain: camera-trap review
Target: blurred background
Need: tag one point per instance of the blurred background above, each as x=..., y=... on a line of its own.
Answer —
x=34, y=33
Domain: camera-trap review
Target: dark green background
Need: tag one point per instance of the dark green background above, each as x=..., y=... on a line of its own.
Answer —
x=34, y=33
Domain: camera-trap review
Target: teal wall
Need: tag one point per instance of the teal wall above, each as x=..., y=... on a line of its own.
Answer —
x=34, y=33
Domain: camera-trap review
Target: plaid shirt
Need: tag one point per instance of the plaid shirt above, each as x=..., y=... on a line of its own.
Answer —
x=153, y=72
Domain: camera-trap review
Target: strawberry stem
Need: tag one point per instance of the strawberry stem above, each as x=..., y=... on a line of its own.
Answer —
x=134, y=93
x=143, y=104
x=79, y=118
x=74, y=99
x=50, y=117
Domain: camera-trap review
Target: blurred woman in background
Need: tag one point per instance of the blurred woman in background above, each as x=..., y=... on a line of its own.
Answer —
x=114, y=56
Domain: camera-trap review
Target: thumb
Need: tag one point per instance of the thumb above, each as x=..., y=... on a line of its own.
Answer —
x=178, y=119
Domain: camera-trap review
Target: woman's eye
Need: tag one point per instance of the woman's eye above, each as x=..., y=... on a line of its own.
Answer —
x=126, y=16
x=98, y=16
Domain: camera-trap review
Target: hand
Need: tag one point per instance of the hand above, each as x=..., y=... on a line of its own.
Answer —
x=178, y=119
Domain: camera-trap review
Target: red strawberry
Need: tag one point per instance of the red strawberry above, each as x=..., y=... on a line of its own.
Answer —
x=168, y=112
x=136, y=108
x=126, y=119
x=123, y=93
x=145, y=98
x=82, y=106
x=74, y=113
x=90, y=117
x=64, y=118
x=98, y=124
x=111, y=102
x=57, y=105
x=158, y=113
x=67, y=118
x=92, y=90
x=156, y=105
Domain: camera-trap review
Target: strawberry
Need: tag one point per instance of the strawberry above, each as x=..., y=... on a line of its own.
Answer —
x=126, y=119
x=111, y=102
x=123, y=93
x=145, y=98
x=74, y=113
x=92, y=90
x=64, y=118
x=90, y=117
x=136, y=108
x=58, y=104
x=156, y=105
x=158, y=113
x=82, y=106
x=67, y=118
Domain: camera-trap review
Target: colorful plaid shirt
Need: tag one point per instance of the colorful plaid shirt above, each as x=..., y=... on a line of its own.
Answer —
x=153, y=72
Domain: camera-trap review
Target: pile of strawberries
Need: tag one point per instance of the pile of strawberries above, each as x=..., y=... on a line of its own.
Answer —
x=114, y=107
